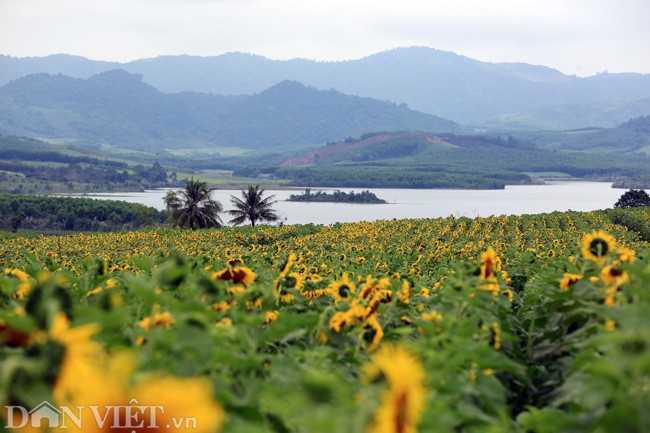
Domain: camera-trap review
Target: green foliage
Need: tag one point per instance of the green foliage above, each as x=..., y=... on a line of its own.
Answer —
x=337, y=197
x=253, y=206
x=633, y=198
x=519, y=349
x=42, y=213
x=634, y=219
x=338, y=176
x=39, y=165
x=193, y=207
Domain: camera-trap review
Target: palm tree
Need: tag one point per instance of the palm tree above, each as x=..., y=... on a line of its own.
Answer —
x=252, y=207
x=194, y=206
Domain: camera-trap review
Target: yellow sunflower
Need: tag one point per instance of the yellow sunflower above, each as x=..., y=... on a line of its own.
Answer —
x=626, y=255
x=489, y=264
x=238, y=275
x=597, y=246
x=373, y=333
x=78, y=370
x=343, y=289
x=192, y=410
x=613, y=276
x=569, y=280
x=496, y=336
x=164, y=320
x=402, y=403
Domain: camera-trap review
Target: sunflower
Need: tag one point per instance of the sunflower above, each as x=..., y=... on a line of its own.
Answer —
x=404, y=296
x=295, y=280
x=597, y=246
x=163, y=320
x=339, y=320
x=195, y=403
x=80, y=357
x=236, y=261
x=402, y=403
x=569, y=280
x=489, y=264
x=613, y=276
x=270, y=316
x=372, y=333
x=238, y=275
x=286, y=265
x=496, y=336
x=343, y=289
x=626, y=255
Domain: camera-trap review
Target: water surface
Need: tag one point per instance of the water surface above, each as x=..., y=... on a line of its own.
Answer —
x=422, y=203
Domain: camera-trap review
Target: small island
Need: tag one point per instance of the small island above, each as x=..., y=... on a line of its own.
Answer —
x=365, y=197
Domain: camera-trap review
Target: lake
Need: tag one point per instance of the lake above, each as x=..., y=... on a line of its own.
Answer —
x=422, y=203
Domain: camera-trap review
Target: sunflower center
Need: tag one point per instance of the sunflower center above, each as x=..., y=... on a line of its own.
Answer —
x=615, y=272
x=599, y=247
x=400, y=412
x=343, y=291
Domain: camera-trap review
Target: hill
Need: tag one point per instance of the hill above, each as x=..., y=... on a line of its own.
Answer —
x=423, y=160
x=630, y=136
x=428, y=80
x=119, y=108
x=604, y=114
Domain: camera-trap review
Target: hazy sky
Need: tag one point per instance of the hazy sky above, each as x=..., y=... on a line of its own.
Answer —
x=579, y=37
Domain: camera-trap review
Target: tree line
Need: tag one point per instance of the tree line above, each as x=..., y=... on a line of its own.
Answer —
x=47, y=213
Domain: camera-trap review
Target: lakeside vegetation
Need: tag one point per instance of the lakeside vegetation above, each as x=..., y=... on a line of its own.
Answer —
x=638, y=182
x=474, y=324
x=337, y=197
x=52, y=214
x=375, y=160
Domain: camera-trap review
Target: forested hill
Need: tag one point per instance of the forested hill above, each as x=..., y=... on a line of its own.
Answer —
x=630, y=136
x=429, y=80
x=119, y=108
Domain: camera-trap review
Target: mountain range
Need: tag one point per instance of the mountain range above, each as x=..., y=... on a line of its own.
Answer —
x=467, y=91
x=118, y=108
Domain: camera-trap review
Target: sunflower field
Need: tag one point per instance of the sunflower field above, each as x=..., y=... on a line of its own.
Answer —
x=534, y=323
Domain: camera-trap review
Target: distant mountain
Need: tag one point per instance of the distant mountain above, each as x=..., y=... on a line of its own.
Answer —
x=119, y=108
x=605, y=114
x=428, y=80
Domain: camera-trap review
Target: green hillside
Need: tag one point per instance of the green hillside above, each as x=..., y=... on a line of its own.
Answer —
x=630, y=136
x=422, y=160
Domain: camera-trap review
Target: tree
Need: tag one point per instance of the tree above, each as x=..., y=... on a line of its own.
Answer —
x=253, y=207
x=194, y=206
x=633, y=198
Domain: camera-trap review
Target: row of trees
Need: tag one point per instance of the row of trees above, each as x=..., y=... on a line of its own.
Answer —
x=194, y=206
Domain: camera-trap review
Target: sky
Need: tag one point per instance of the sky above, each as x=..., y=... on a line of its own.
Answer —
x=577, y=37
